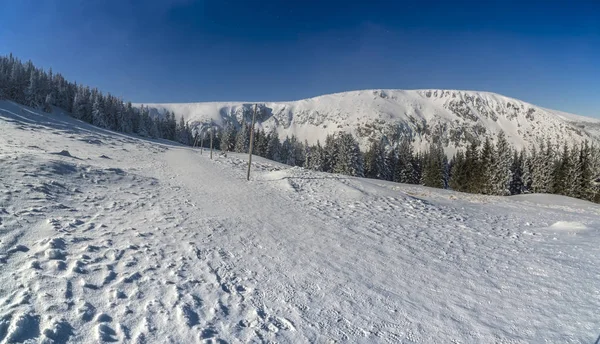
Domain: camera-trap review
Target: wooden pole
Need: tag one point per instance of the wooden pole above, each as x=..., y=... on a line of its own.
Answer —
x=212, y=130
x=202, y=144
x=251, y=142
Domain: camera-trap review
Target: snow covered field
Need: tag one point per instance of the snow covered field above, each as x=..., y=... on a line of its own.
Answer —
x=129, y=240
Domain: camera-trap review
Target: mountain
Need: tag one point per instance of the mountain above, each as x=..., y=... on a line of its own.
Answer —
x=454, y=116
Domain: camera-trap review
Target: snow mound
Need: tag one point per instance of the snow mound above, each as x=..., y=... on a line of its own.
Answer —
x=569, y=225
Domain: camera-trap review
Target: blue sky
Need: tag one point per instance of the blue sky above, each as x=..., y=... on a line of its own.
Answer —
x=543, y=52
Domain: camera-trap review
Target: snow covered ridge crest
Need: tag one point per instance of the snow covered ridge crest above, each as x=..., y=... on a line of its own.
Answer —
x=456, y=117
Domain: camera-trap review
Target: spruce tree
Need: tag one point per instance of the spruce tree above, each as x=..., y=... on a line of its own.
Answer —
x=32, y=92
x=242, y=140
x=501, y=174
x=273, y=147
x=48, y=103
x=98, y=113
x=286, y=155
x=458, y=180
x=486, y=166
x=435, y=168
x=330, y=153
x=517, y=184
x=404, y=169
x=317, y=157
x=348, y=159
x=374, y=161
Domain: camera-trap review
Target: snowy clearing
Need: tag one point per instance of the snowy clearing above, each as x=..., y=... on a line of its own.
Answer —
x=111, y=238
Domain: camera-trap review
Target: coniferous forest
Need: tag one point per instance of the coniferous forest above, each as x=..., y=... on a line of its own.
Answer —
x=492, y=168
x=26, y=84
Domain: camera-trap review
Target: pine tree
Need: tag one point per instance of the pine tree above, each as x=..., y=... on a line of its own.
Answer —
x=48, y=103
x=262, y=141
x=98, y=117
x=242, y=140
x=308, y=155
x=285, y=153
x=404, y=169
x=458, y=180
x=32, y=90
x=274, y=147
x=573, y=185
x=435, y=168
x=330, y=151
x=299, y=154
x=391, y=160
x=143, y=129
x=501, y=173
x=317, y=159
x=374, y=161
x=472, y=169
x=542, y=168
x=586, y=173
x=486, y=165
x=517, y=169
x=348, y=159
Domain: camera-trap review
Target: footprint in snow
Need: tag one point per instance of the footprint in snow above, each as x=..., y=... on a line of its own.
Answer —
x=59, y=331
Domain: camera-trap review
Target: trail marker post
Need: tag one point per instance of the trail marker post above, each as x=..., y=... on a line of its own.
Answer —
x=212, y=130
x=251, y=142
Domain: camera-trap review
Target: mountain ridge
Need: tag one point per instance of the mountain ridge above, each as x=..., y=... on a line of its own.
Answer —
x=456, y=117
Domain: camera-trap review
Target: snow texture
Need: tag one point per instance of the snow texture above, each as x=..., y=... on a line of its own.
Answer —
x=132, y=240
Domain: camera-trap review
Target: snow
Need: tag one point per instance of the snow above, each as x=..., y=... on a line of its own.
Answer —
x=372, y=113
x=122, y=239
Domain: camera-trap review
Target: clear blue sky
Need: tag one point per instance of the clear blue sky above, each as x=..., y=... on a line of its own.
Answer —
x=544, y=52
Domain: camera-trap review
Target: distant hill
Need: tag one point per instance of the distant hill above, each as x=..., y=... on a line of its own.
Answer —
x=456, y=117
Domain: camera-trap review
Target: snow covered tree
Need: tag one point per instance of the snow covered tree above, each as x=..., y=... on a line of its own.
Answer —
x=501, y=174
x=517, y=170
x=458, y=180
x=228, y=138
x=273, y=147
x=586, y=173
x=542, y=168
x=242, y=139
x=486, y=166
x=48, y=101
x=98, y=116
x=261, y=142
x=143, y=128
x=435, y=167
x=32, y=92
x=374, y=160
x=404, y=169
x=317, y=157
x=348, y=158
x=330, y=153
x=286, y=155
x=573, y=185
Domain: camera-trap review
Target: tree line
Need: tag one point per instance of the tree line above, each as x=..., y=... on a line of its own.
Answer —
x=490, y=168
x=24, y=83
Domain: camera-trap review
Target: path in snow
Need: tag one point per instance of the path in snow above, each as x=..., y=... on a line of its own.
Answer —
x=132, y=241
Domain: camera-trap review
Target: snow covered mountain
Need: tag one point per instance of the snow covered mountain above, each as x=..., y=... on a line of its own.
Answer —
x=454, y=116
x=108, y=237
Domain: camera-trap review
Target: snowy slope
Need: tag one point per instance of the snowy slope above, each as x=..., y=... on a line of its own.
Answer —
x=456, y=116
x=129, y=240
